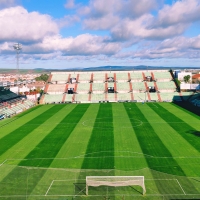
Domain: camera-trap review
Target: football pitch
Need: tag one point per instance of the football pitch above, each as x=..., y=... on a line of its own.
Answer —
x=47, y=151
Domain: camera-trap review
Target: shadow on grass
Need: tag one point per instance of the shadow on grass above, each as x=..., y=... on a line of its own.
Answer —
x=187, y=105
x=80, y=188
x=194, y=132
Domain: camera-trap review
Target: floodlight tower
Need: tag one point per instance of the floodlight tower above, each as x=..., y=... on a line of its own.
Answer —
x=17, y=47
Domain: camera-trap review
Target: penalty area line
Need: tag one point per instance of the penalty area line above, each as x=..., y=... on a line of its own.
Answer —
x=181, y=187
x=3, y=162
x=49, y=188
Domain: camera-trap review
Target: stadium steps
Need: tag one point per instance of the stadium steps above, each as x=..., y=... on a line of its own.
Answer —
x=92, y=77
x=158, y=94
x=143, y=75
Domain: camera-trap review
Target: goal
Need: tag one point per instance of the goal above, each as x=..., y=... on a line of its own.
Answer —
x=115, y=181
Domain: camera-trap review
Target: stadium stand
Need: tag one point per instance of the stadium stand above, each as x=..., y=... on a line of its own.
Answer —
x=122, y=77
x=60, y=78
x=83, y=88
x=53, y=98
x=69, y=97
x=82, y=98
x=112, y=86
x=136, y=76
x=162, y=75
x=124, y=97
x=98, y=97
x=166, y=86
x=98, y=88
x=85, y=78
x=170, y=96
x=138, y=86
x=13, y=107
x=99, y=77
x=56, y=88
x=123, y=87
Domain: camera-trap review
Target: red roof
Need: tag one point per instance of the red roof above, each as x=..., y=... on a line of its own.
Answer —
x=196, y=76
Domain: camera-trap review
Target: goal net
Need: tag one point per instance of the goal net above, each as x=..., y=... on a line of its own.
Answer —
x=115, y=181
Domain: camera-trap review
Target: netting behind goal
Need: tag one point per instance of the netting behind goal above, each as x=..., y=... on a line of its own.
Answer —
x=115, y=181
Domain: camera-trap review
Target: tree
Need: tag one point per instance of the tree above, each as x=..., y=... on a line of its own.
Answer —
x=43, y=77
x=186, y=79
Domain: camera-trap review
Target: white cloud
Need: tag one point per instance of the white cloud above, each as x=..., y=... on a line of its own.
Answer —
x=184, y=11
x=17, y=24
x=70, y=4
x=103, y=23
x=67, y=21
x=103, y=14
x=135, y=8
x=83, y=45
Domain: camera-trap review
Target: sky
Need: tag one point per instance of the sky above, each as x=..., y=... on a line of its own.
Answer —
x=64, y=34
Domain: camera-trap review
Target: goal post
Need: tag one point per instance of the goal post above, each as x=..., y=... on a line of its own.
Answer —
x=115, y=181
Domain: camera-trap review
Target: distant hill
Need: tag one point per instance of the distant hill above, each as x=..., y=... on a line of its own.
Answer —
x=100, y=68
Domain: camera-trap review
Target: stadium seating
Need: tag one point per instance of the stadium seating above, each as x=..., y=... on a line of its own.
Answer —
x=140, y=96
x=170, y=96
x=51, y=98
x=150, y=84
x=122, y=77
x=111, y=97
x=162, y=75
x=69, y=97
x=138, y=86
x=99, y=77
x=60, y=77
x=136, y=76
x=83, y=87
x=154, y=96
x=84, y=78
x=56, y=88
x=166, y=85
x=82, y=97
x=16, y=107
x=98, y=86
x=123, y=96
x=123, y=87
x=98, y=97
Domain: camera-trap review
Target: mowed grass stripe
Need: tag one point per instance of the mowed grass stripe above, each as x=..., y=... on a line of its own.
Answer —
x=180, y=149
x=20, y=150
x=47, y=149
x=189, y=118
x=100, y=149
x=78, y=138
x=51, y=144
x=128, y=153
x=190, y=134
x=19, y=121
x=15, y=136
x=70, y=156
x=186, y=111
x=151, y=145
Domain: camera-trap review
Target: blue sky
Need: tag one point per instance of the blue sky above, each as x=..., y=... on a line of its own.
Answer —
x=88, y=33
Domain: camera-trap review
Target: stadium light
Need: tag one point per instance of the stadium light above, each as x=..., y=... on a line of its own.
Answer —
x=17, y=47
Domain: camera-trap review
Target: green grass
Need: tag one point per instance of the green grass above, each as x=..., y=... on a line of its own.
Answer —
x=48, y=151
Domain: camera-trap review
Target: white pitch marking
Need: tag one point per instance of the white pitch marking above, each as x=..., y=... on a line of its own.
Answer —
x=181, y=187
x=49, y=188
x=3, y=162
